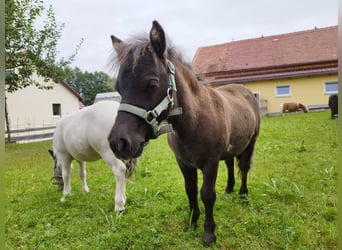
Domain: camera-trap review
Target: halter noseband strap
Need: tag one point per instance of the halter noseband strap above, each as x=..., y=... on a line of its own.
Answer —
x=168, y=102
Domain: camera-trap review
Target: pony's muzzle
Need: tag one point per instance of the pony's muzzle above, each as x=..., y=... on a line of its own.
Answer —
x=124, y=149
x=58, y=180
x=123, y=145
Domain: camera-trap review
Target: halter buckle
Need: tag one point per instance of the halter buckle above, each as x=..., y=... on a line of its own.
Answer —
x=151, y=116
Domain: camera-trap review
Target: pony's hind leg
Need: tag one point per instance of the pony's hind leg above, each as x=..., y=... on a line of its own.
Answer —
x=231, y=178
x=82, y=172
x=244, y=161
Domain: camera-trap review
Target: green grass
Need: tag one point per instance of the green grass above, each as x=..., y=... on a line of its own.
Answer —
x=292, y=197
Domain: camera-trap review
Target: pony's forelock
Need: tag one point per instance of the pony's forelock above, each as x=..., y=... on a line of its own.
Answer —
x=138, y=45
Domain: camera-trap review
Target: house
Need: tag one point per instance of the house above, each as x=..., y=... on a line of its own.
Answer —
x=294, y=67
x=33, y=113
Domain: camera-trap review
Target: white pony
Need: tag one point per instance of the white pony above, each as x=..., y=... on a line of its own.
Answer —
x=82, y=136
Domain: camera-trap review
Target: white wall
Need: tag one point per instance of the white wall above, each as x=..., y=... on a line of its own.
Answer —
x=32, y=107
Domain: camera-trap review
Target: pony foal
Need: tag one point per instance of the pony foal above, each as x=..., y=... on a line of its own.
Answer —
x=82, y=136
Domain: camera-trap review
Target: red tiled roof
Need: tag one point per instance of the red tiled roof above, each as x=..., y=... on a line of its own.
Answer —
x=277, y=75
x=309, y=46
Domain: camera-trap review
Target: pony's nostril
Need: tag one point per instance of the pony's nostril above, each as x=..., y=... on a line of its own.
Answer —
x=123, y=145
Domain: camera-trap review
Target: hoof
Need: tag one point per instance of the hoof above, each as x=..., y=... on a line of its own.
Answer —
x=243, y=191
x=187, y=226
x=121, y=212
x=64, y=197
x=119, y=209
x=208, y=239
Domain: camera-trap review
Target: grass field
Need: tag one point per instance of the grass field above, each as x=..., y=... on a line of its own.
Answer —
x=292, y=197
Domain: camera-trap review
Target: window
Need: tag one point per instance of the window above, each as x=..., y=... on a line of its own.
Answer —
x=56, y=109
x=283, y=91
x=331, y=88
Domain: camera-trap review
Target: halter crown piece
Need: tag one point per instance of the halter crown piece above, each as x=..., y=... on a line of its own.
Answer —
x=150, y=116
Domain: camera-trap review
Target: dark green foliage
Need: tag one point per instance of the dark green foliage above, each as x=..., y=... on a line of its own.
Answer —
x=90, y=84
x=30, y=49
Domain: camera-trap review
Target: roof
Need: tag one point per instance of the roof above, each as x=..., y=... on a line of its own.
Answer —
x=72, y=90
x=304, y=47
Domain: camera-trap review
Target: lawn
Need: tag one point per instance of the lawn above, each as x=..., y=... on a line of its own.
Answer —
x=292, y=197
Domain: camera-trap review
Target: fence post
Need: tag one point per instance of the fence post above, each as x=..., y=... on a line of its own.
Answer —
x=7, y=122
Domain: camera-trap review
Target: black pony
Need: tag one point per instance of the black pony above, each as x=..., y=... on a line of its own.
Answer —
x=161, y=94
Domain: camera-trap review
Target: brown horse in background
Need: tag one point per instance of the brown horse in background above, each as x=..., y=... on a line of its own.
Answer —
x=292, y=107
x=160, y=94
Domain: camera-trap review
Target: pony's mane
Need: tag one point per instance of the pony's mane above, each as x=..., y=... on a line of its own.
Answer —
x=138, y=45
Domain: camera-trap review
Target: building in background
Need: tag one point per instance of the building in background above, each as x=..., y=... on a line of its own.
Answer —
x=33, y=113
x=294, y=67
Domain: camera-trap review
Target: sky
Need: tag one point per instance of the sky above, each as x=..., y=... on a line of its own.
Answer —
x=189, y=24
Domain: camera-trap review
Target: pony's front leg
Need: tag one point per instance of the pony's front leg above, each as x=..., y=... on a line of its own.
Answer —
x=119, y=170
x=82, y=172
x=208, y=196
x=190, y=178
x=66, y=175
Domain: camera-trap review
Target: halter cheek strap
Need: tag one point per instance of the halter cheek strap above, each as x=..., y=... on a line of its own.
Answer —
x=151, y=116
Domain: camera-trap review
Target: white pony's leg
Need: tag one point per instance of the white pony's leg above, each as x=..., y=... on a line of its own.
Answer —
x=119, y=170
x=82, y=172
x=66, y=175
x=282, y=109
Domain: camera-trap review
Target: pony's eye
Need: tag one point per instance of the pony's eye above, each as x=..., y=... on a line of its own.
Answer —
x=153, y=83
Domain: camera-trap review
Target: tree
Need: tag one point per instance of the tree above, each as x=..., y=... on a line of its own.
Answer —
x=90, y=84
x=29, y=49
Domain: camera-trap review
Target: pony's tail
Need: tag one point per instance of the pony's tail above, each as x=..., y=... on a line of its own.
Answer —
x=130, y=166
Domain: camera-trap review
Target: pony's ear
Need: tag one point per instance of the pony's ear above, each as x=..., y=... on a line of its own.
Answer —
x=51, y=154
x=157, y=38
x=117, y=43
